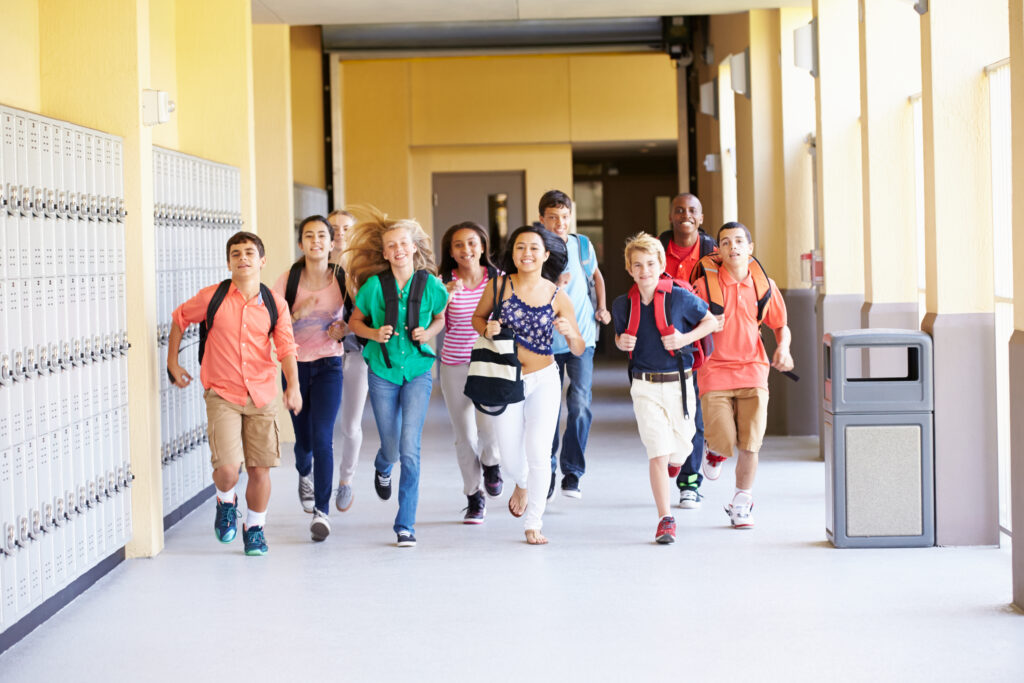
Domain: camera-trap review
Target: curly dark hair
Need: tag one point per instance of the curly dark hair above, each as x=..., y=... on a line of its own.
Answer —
x=448, y=263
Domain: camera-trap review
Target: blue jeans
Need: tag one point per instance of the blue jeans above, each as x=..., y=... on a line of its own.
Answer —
x=577, y=429
x=399, y=411
x=690, y=476
x=320, y=385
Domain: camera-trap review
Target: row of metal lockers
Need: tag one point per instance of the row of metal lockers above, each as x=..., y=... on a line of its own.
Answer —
x=64, y=453
x=197, y=207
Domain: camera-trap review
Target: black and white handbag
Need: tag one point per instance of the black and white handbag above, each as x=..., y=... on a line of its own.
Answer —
x=495, y=374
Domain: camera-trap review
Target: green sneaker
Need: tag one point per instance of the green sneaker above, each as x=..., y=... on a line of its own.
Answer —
x=255, y=541
x=224, y=525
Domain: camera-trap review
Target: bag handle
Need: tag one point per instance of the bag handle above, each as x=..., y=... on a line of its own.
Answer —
x=498, y=297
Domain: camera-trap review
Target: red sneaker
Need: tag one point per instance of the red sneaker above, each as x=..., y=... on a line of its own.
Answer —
x=666, y=531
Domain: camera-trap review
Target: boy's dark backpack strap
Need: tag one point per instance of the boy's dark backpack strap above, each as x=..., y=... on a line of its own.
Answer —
x=707, y=243
x=211, y=313
x=271, y=305
x=291, y=290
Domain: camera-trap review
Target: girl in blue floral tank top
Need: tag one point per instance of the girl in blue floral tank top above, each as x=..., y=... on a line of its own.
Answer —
x=533, y=307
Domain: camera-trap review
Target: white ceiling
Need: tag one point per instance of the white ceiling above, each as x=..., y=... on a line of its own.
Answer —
x=306, y=12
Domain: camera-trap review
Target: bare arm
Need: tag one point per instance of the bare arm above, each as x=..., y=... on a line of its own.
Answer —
x=292, y=395
x=357, y=323
x=181, y=378
x=601, y=314
x=483, y=326
x=782, y=359
x=424, y=335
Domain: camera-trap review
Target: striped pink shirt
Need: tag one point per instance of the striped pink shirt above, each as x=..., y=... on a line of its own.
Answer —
x=459, y=334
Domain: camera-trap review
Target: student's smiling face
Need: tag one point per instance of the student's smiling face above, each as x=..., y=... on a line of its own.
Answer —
x=466, y=247
x=244, y=259
x=316, y=240
x=645, y=267
x=557, y=219
x=529, y=253
x=398, y=247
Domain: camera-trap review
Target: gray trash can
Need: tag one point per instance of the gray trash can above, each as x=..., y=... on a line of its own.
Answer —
x=880, y=490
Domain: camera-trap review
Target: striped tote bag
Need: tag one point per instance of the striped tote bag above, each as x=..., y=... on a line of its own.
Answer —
x=495, y=374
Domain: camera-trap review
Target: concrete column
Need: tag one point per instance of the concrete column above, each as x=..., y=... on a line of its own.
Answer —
x=683, y=135
x=890, y=71
x=958, y=258
x=840, y=208
x=1017, y=340
x=101, y=87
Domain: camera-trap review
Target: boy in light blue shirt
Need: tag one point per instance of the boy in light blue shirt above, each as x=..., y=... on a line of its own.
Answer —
x=580, y=279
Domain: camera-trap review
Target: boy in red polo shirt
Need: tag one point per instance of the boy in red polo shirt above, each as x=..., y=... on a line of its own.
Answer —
x=239, y=376
x=734, y=379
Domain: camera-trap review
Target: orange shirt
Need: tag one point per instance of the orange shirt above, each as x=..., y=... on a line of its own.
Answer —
x=739, y=360
x=679, y=261
x=237, y=362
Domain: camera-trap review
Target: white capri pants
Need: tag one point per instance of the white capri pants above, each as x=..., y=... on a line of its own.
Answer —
x=354, y=391
x=475, y=442
x=524, y=439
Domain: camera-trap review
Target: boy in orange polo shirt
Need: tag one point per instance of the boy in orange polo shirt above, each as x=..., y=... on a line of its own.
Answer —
x=734, y=379
x=239, y=376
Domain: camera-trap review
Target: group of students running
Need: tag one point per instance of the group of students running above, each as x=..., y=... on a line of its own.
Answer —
x=354, y=317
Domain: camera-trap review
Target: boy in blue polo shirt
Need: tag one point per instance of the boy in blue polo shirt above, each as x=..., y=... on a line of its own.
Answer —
x=556, y=216
x=653, y=335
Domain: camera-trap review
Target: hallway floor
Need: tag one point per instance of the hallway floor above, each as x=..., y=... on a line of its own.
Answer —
x=602, y=602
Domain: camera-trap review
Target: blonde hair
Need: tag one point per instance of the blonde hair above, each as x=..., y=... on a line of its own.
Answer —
x=647, y=243
x=364, y=255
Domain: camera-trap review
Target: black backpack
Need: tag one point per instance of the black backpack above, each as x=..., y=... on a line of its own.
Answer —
x=707, y=242
x=389, y=288
x=291, y=289
x=211, y=311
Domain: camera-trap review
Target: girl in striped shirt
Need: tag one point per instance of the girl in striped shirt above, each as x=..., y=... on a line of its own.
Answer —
x=466, y=269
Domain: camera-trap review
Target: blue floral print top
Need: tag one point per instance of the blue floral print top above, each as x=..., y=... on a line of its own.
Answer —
x=533, y=325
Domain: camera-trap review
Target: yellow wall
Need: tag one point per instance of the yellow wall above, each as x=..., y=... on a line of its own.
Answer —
x=215, y=107
x=19, y=54
x=403, y=120
x=727, y=34
x=164, y=66
x=307, y=95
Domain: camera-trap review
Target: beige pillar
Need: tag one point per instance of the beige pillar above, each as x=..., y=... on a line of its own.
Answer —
x=101, y=87
x=1017, y=340
x=839, y=205
x=683, y=135
x=890, y=71
x=958, y=257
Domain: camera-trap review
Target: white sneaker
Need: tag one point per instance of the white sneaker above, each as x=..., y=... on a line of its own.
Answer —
x=306, y=493
x=689, y=499
x=740, y=514
x=320, y=527
x=711, y=466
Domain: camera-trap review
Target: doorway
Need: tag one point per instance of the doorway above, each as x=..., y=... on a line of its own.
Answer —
x=494, y=199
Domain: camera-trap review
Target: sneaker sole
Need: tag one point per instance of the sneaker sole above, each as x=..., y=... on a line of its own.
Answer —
x=473, y=521
x=665, y=539
x=406, y=544
x=309, y=511
x=254, y=553
x=572, y=494
x=225, y=540
x=319, y=532
x=689, y=505
x=343, y=509
x=493, y=493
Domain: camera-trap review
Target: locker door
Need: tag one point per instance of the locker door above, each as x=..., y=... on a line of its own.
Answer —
x=15, y=389
x=42, y=515
x=12, y=193
x=22, y=540
x=8, y=549
x=68, y=455
x=56, y=508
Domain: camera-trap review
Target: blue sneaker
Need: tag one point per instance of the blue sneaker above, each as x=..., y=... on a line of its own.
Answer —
x=255, y=541
x=224, y=523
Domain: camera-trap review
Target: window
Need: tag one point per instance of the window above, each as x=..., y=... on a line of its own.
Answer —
x=1002, y=266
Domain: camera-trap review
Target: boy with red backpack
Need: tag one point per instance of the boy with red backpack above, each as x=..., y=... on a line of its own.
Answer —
x=734, y=380
x=657, y=324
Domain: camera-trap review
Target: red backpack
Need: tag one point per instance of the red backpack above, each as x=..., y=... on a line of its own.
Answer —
x=662, y=303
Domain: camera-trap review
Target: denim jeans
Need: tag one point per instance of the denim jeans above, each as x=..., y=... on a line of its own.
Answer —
x=320, y=384
x=399, y=411
x=577, y=399
x=690, y=476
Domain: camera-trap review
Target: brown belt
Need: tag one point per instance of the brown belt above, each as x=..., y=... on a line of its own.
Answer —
x=660, y=377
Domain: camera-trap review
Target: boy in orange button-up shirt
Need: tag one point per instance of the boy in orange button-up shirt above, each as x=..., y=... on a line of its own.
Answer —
x=734, y=379
x=239, y=376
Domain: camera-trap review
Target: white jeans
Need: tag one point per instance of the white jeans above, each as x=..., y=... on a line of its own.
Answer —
x=475, y=442
x=524, y=439
x=354, y=391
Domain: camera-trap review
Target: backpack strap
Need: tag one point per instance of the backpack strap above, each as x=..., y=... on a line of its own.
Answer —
x=389, y=288
x=211, y=313
x=291, y=290
x=271, y=305
x=707, y=268
x=412, y=309
x=589, y=277
x=707, y=243
x=762, y=287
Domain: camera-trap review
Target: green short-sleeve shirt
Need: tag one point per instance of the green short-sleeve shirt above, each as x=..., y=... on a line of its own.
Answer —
x=408, y=359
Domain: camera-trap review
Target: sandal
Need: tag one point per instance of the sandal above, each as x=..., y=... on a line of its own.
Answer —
x=510, y=499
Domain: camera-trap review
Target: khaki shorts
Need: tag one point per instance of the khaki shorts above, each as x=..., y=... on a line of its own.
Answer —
x=659, y=418
x=736, y=417
x=240, y=433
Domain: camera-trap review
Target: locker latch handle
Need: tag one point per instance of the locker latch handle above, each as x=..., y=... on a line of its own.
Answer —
x=10, y=540
x=23, y=537
x=6, y=374
x=59, y=514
